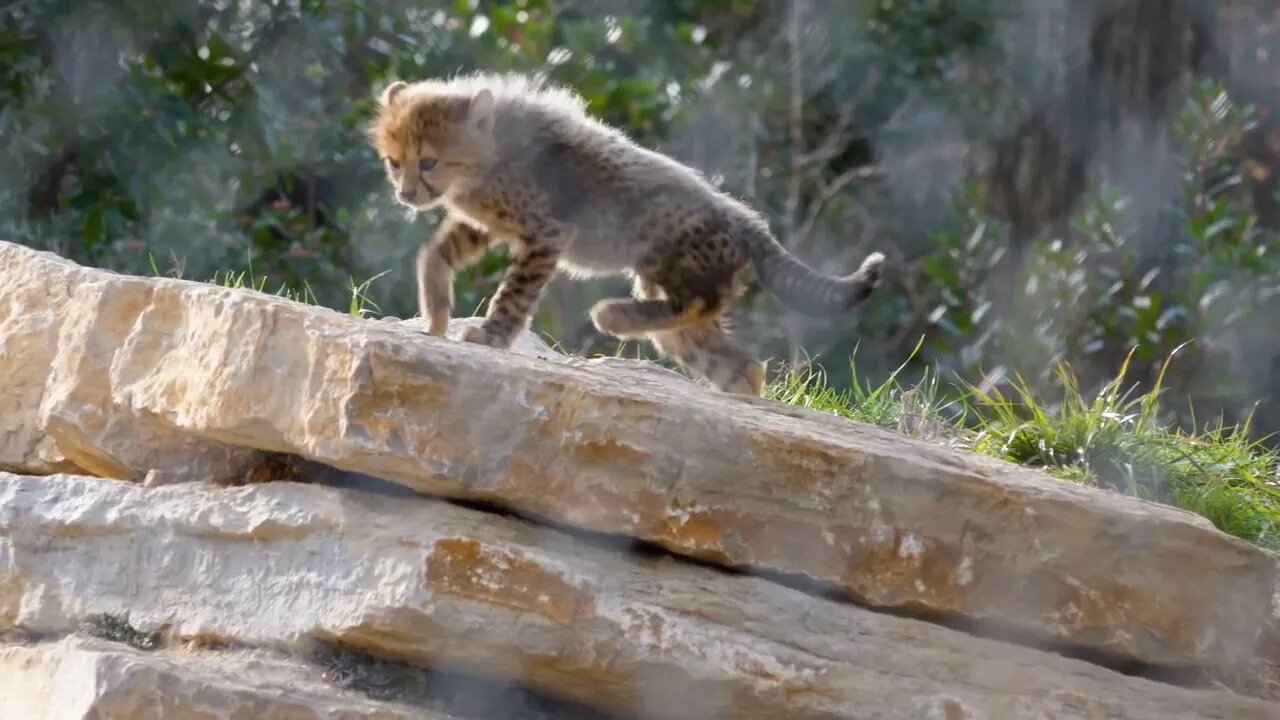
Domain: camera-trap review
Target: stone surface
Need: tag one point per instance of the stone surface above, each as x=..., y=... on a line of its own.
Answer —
x=162, y=371
x=427, y=581
x=57, y=411
x=81, y=678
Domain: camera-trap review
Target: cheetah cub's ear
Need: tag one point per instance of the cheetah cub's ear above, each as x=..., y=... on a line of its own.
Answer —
x=480, y=112
x=389, y=94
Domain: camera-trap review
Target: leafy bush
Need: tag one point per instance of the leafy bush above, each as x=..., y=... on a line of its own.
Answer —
x=1101, y=295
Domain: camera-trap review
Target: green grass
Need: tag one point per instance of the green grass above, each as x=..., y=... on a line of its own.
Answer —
x=360, y=305
x=360, y=302
x=919, y=411
x=1114, y=440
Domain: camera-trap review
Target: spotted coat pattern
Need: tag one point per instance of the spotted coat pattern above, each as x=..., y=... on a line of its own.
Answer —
x=520, y=163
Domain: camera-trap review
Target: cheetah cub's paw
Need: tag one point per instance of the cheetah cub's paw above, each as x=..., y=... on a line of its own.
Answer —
x=480, y=335
x=612, y=317
x=438, y=325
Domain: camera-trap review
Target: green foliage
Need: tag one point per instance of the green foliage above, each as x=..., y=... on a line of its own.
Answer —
x=205, y=133
x=1102, y=292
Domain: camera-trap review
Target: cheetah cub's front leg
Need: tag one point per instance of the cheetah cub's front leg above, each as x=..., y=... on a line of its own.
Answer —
x=455, y=246
x=512, y=307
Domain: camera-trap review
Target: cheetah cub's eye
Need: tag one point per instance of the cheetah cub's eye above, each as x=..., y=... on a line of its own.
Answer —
x=395, y=164
x=425, y=164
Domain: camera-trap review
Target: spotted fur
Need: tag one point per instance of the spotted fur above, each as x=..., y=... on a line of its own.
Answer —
x=520, y=162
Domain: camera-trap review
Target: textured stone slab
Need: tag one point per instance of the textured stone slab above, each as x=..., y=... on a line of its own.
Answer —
x=427, y=581
x=144, y=365
x=61, y=335
x=80, y=678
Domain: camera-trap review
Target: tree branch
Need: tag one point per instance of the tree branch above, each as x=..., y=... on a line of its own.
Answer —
x=837, y=139
x=828, y=193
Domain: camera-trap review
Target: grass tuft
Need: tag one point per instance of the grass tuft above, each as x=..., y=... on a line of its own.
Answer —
x=360, y=302
x=1116, y=440
x=919, y=410
x=359, y=305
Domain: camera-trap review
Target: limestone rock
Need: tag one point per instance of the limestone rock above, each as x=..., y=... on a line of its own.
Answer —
x=154, y=370
x=31, y=314
x=60, y=335
x=530, y=344
x=427, y=581
x=526, y=342
x=80, y=678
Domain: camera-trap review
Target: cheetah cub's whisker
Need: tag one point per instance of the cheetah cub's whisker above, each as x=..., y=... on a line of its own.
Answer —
x=517, y=161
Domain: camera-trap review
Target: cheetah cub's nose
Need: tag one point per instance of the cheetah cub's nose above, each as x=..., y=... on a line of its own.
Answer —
x=408, y=194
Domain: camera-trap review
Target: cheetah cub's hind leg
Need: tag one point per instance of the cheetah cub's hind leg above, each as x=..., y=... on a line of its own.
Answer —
x=653, y=310
x=708, y=351
x=635, y=319
x=681, y=284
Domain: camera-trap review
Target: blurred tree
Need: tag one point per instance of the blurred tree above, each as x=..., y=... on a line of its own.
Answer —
x=1197, y=250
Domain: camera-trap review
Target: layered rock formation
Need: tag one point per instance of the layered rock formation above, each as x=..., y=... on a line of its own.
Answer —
x=141, y=382
x=281, y=564
x=78, y=677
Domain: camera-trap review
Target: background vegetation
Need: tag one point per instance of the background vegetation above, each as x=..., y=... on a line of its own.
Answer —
x=1063, y=187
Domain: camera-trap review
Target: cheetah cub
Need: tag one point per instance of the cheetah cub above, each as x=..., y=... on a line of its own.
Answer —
x=517, y=161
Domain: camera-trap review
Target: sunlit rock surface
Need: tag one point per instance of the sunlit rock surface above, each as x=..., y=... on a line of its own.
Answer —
x=163, y=379
x=283, y=565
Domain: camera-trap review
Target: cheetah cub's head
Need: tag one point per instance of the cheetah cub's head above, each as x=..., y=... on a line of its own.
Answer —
x=433, y=141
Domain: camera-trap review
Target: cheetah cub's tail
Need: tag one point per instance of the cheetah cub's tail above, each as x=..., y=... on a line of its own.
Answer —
x=804, y=289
